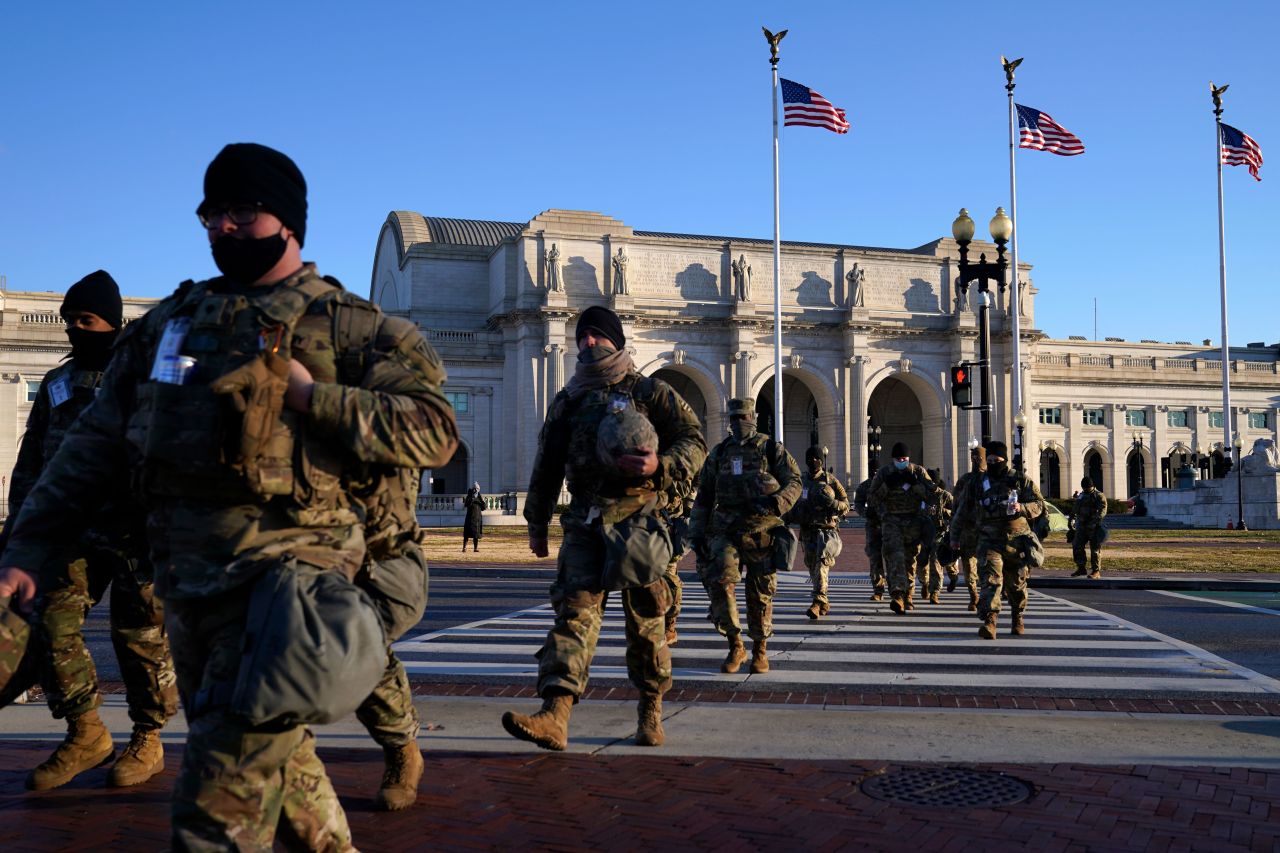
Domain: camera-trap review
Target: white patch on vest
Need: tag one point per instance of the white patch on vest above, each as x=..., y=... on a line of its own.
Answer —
x=804, y=493
x=175, y=335
x=59, y=391
x=737, y=465
x=617, y=404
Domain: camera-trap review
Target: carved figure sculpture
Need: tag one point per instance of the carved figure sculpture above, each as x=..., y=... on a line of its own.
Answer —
x=620, y=273
x=1263, y=459
x=962, y=298
x=1024, y=288
x=554, y=282
x=741, y=279
x=857, y=278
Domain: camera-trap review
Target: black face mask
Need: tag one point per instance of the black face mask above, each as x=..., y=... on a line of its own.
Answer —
x=815, y=465
x=742, y=428
x=91, y=350
x=248, y=259
x=998, y=469
x=595, y=353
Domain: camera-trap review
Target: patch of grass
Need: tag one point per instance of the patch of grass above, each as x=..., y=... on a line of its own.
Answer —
x=499, y=545
x=1179, y=551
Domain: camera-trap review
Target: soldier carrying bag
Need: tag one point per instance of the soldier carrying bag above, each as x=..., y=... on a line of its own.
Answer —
x=637, y=551
x=313, y=649
x=21, y=651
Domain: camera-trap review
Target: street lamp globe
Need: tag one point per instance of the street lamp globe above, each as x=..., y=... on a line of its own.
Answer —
x=1001, y=226
x=1020, y=420
x=962, y=227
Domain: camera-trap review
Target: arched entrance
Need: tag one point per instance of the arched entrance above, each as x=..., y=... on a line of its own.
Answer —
x=1093, y=466
x=800, y=427
x=1050, y=473
x=1137, y=471
x=1179, y=457
x=687, y=388
x=1217, y=465
x=895, y=408
x=451, y=478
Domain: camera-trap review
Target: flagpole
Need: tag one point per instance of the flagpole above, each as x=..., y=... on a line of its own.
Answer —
x=1222, y=271
x=1015, y=308
x=777, y=248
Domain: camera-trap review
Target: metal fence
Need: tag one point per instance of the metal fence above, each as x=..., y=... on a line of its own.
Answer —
x=505, y=503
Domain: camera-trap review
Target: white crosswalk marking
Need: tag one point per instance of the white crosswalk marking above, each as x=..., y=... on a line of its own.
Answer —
x=863, y=643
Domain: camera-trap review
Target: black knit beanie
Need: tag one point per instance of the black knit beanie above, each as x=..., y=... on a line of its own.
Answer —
x=899, y=451
x=98, y=294
x=603, y=321
x=997, y=448
x=245, y=172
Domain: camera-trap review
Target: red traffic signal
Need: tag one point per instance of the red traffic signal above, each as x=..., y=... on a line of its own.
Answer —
x=961, y=391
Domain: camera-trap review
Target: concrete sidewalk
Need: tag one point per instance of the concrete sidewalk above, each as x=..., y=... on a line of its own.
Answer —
x=739, y=776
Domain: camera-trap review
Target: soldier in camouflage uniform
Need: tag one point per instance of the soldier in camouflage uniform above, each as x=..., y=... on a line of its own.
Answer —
x=963, y=530
x=677, y=512
x=248, y=409
x=395, y=577
x=1090, y=509
x=748, y=484
x=875, y=556
x=823, y=502
x=1004, y=503
x=108, y=550
x=900, y=494
x=614, y=535
x=939, y=517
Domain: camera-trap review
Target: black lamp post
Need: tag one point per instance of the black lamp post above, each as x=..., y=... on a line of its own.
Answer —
x=1001, y=227
x=1019, y=421
x=1238, y=444
x=1142, y=464
x=873, y=449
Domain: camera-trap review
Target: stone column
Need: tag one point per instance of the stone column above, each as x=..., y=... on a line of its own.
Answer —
x=742, y=373
x=857, y=414
x=555, y=370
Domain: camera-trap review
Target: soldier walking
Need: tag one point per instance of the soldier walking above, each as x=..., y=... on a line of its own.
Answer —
x=873, y=546
x=823, y=502
x=901, y=493
x=1004, y=503
x=680, y=504
x=938, y=514
x=749, y=482
x=248, y=407
x=1090, y=509
x=963, y=529
x=108, y=550
x=614, y=536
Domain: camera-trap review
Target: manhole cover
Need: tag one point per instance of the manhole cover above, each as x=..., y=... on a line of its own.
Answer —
x=947, y=787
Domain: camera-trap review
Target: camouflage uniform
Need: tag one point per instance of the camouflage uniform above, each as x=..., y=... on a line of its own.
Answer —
x=823, y=502
x=1003, y=540
x=107, y=550
x=901, y=498
x=746, y=487
x=599, y=495
x=964, y=531
x=214, y=524
x=1090, y=509
x=677, y=514
x=939, y=514
x=873, y=548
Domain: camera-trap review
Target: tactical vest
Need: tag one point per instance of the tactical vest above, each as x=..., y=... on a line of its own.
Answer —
x=586, y=476
x=817, y=502
x=902, y=501
x=188, y=437
x=993, y=498
x=70, y=391
x=743, y=472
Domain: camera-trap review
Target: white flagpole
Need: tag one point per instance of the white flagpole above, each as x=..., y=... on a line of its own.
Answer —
x=1222, y=272
x=777, y=251
x=1015, y=309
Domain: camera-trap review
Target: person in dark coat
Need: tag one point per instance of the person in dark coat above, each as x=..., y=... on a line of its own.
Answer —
x=473, y=527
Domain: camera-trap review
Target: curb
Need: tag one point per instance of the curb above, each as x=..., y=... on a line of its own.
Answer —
x=1194, y=584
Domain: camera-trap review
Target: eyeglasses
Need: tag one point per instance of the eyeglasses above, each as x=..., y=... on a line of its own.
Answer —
x=239, y=214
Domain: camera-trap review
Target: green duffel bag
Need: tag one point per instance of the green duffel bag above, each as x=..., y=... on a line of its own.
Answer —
x=785, y=546
x=20, y=653
x=398, y=587
x=314, y=648
x=637, y=551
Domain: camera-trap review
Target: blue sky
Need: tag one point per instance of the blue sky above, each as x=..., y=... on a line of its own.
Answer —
x=658, y=114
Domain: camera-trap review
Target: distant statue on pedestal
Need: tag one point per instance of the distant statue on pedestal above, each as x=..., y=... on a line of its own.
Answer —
x=620, y=273
x=554, y=281
x=741, y=279
x=1263, y=459
x=962, y=298
x=1023, y=287
x=857, y=278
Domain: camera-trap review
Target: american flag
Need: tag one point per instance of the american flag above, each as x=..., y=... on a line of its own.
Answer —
x=1239, y=149
x=1036, y=130
x=802, y=105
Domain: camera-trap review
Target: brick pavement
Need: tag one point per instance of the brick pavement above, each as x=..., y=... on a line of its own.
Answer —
x=544, y=801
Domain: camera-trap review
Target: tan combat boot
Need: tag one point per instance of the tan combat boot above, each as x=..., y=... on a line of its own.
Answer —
x=737, y=654
x=548, y=728
x=814, y=611
x=933, y=598
x=400, y=777
x=896, y=604
x=824, y=609
x=988, y=629
x=142, y=759
x=1095, y=575
x=759, y=657
x=649, y=721
x=1017, y=630
x=973, y=601
x=672, y=636
x=877, y=595
x=87, y=745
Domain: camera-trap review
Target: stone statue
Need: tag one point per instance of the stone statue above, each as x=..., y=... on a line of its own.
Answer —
x=741, y=279
x=1024, y=286
x=1263, y=459
x=857, y=278
x=962, y=297
x=554, y=282
x=620, y=273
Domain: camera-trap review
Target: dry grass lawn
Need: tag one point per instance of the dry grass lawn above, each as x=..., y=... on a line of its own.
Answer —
x=499, y=546
x=1179, y=551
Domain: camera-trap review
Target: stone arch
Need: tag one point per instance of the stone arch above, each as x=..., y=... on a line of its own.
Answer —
x=1175, y=458
x=824, y=393
x=819, y=407
x=929, y=441
x=453, y=477
x=702, y=374
x=919, y=383
x=1052, y=467
x=1096, y=462
x=386, y=284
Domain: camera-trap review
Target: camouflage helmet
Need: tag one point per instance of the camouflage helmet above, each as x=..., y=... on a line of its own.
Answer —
x=743, y=408
x=815, y=451
x=623, y=430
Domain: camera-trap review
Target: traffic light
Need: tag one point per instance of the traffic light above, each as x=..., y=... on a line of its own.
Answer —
x=961, y=392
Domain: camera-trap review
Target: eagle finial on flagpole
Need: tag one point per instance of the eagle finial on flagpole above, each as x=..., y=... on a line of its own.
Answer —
x=773, y=44
x=1216, y=92
x=1009, y=66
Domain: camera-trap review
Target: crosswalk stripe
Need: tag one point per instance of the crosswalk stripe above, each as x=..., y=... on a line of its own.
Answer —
x=1068, y=646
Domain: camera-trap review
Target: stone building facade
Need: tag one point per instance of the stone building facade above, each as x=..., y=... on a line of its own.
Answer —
x=868, y=337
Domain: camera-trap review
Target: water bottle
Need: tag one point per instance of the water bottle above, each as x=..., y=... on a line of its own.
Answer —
x=1011, y=503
